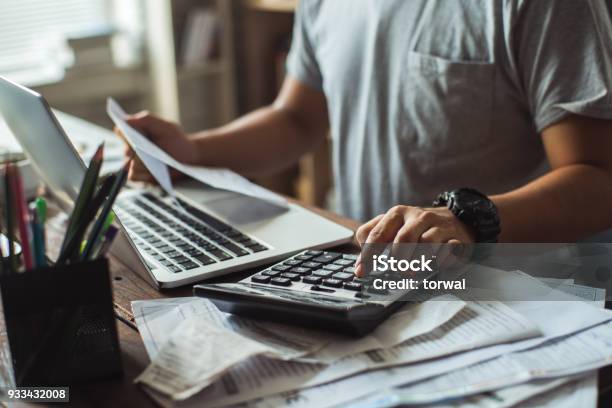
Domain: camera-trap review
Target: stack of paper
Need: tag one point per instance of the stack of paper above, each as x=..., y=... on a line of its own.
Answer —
x=438, y=350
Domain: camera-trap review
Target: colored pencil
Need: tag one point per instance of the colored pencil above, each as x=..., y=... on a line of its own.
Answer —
x=73, y=244
x=88, y=188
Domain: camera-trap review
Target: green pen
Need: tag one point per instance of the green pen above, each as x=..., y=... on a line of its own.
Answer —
x=41, y=208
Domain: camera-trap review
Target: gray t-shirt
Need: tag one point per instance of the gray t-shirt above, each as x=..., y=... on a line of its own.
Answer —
x=430, y=95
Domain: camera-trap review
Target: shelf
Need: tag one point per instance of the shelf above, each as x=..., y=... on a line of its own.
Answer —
x=279, y=6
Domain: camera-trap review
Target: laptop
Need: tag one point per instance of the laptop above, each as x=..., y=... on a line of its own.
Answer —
x=208, y=233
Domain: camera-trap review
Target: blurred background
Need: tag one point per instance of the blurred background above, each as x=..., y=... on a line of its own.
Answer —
x=199, y=62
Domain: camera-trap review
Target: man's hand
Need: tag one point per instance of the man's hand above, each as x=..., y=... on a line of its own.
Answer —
x=404, y=224
x=167, y=135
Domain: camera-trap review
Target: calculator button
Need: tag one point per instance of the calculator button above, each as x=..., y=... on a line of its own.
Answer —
x=332, y=283
x=353, y=286
x=314, y=253
x=312, y=280
x=332, y=267
x=327, y=257
x=322, y=273
x=175, y=269
x=292, y=262
x=311, y=265
x=344, y=262
x=303, y=257
x=320, y=289
x=273, y=274
x=281, y=282
x=291, y=276
x=261, y=279
x=361, y=296
x=343, y=276
x=281, y=268
x=300, y=271
x=350, y=269
x=350, y=257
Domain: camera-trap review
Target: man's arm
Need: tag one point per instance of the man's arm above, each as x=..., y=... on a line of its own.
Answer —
x=260, y=143
x=572, y=201
x=270, y=138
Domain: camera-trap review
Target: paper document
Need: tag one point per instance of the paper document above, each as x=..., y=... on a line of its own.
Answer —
x=358, y=386
x=411, y=321
x=582, y=393
x=263, y=377
x=157, y=162
x=546, y=390
x=156, y=319
x=196, y=354
x=253, y=338
x=477, y=325
x=578, y=353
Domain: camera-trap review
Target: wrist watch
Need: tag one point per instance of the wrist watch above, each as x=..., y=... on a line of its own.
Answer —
x=473, y=209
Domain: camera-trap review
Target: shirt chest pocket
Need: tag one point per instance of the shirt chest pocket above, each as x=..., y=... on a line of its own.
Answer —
x=446, y=106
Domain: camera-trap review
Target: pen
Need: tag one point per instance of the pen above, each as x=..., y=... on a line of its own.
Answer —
x=96, y=232
x=106, y=243
x=37, y=237
x=72, y=248
x=22, y=216
x=88, y=188
x=95, y=247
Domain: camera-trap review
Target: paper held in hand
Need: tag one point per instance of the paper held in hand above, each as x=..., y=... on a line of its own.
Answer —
x=157, y=162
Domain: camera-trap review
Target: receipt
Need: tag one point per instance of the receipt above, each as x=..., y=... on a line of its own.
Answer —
x=197, y=354
x=157, y=162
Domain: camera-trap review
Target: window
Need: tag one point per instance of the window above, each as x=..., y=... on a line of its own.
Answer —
x=30, y=30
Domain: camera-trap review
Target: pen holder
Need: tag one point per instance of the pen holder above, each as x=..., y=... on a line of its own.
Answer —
x=60, y=325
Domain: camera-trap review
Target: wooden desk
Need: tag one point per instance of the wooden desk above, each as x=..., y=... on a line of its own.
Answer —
x=128, y=287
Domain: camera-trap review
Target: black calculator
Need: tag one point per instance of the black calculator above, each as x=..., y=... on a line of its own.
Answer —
x=314, y=289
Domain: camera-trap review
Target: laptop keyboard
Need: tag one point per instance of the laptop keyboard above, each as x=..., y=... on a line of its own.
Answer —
x=181, y=239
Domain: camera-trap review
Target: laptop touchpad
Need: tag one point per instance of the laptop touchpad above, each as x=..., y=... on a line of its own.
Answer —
x=239, y=209
x=235, y=208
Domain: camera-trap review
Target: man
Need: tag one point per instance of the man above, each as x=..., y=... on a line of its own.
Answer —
x=511, y=98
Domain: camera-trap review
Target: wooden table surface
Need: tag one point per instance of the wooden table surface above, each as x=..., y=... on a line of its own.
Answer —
x=127, y=287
